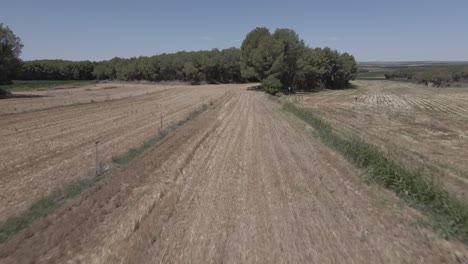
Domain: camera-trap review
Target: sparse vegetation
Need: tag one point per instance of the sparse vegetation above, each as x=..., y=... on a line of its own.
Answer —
x=447, y=214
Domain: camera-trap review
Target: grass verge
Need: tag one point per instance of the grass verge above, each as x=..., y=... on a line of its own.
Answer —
x=446, y=214
x=50, y=203
x=44, y=207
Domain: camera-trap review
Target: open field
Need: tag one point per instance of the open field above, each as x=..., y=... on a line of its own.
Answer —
x=424, y=128
x=83, y=94
x=244, y=182
x=377, y=75
x=44, y=150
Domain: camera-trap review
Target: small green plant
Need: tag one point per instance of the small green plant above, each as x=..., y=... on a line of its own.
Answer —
x=272, y=85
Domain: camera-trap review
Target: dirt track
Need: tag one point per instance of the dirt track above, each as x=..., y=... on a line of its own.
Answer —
x=242, y=183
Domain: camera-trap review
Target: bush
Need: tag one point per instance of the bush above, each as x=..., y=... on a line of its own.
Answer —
x=4, y=93
x=272, y=85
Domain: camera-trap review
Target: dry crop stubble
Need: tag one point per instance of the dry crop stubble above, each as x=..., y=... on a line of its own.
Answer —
x=44, y=150
x=243, y=182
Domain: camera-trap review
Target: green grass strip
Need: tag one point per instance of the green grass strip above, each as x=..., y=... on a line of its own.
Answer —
x=445, y=212
x=44, y=207
x=50, y=203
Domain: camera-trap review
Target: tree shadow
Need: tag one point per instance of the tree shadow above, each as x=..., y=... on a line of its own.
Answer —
x=318, y=90
x=16, y=96
x=254, y=88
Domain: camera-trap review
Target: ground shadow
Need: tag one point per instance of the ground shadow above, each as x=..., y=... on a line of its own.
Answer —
x=15, y=96
x=317, y=90
x=254, y=88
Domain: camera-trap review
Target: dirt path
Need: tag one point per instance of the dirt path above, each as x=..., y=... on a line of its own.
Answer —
x=243, y=183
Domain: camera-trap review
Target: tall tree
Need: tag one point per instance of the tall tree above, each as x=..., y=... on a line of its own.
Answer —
x=292, y=49
x=259, y=52
x=10, y=50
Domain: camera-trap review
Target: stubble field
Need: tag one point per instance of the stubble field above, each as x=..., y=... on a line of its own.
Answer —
x=243, y=182
x=42, y=150
x=424, y=128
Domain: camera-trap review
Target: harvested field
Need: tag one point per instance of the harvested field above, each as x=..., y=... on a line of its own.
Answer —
x=43, y=150
x=242, y=183
x=69, y=96
x=425, y=128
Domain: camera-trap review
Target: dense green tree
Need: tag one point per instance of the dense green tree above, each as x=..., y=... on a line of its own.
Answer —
x=309, y=74
x=10, y=50
x=259, y=52
x=230, y=65
x=292, y=49
x=282, y=57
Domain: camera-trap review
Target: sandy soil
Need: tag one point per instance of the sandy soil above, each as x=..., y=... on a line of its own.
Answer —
x=421, y=126
x=242, y=183
x=43, y=150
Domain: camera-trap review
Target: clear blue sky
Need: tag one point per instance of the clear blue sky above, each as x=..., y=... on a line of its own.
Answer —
x=369, y=29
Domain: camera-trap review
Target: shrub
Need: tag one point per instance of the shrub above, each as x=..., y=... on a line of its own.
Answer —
x=4, y=93
x=272, y=85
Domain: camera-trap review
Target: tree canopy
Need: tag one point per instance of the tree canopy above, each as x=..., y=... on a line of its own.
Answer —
x=281, y=60
x=10, y=50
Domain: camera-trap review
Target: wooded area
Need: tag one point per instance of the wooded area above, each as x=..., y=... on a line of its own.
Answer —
x=280, y=60
x=213, y=66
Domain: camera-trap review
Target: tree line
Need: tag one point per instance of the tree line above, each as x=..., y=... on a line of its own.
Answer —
x=213, y=66
x=437, y=75
x=280, y=60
